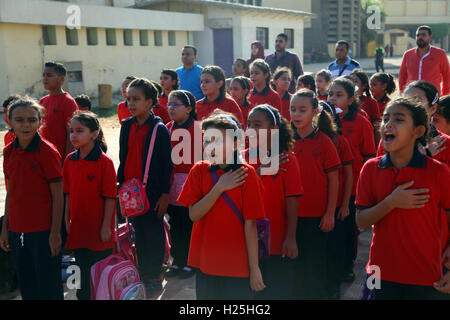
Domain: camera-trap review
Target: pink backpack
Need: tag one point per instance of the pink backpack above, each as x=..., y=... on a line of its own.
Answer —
x=124, y=242
x=115, y=278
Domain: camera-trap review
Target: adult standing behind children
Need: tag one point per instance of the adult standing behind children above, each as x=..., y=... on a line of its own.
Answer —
x=257, y=50
x=425, y=62
x=283, y=58
x=190, y=72
x=343, y=65
x=60, y=107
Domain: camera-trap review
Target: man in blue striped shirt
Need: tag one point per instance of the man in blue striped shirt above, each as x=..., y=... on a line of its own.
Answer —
x=343, y=65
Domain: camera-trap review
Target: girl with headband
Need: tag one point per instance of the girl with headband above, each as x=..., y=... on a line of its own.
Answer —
x=281, y=193
x=224, y=247
x=182, y=112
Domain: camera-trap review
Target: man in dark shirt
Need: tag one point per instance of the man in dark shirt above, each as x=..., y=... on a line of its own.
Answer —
x=283, y=58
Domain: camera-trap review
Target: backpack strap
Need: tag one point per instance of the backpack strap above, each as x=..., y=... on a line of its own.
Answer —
x=228, y=200
x=150, y=152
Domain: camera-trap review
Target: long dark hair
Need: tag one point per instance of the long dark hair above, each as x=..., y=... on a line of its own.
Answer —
x=174, y=75
x=244, y=82
x=349, y=87
x=362, y=76
x=218, y=75
x=385, y=78
x=264, y=67
x=89, y=120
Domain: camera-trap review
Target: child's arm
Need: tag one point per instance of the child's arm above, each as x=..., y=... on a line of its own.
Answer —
x=327, y=222
x=105, y=231
x=251, y=239
x=4, y=242
x=67, y=213
x=401, y=198
x=226, y=182
x=290, y=242
x=348, y=184
x=57, y=209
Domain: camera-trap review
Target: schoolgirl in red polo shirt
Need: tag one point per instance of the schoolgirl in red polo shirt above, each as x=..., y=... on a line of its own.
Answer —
x=306, y=81
x=323, y=79
x=239, y=90
x=212, y=83
x=122, y=108
x=281, y=192
x=368, y=104
x=90, y=187
x=182, y=130
x=60, y=107
x=223, y=247
x=319, y=163
x=382, y=85
x=403, y=191
x=135, y=136
x=262, y=93
x=281, y=82
x=168, y=80
x=34, y=205
x=359, y=133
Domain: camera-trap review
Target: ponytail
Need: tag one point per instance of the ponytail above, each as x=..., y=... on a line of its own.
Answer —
x=89, y=120
x=386, y=78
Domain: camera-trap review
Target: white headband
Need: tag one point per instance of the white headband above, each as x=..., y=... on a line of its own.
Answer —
x=271, y=112
x=435, y=98
x=187, y=97
x=224, y=116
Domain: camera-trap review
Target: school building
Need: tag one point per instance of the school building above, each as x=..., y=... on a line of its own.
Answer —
x=404, y=16
x=116, y=38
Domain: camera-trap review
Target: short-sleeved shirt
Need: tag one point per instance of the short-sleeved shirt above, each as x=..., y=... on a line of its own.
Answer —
x=317, y=156
x=345, y=69
x=190, y=80
x=136, y=141
x=267, y=95
x=205, y=107
x=30, y=172
x=218, y=245
x=359, y=133
x=370, y=106
x=245, y=109
x=122, y=111
x=88, y=182
x=59, y=110
x=346, y=157
x=278, y=187
x=406, y=243
x=382, y=103
x=285, y=106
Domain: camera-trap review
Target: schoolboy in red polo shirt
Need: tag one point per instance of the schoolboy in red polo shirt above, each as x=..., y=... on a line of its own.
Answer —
x=223, y=247
x=122, y=108
x=34, y=205
x=403, y=191
x=281, y=192
x=60, y=107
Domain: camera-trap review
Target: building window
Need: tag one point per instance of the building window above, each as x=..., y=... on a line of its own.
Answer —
x=128, y=37
x=111, y=37
x=258, y=3
x=262, y=35
x=143, y=37
x=92, y=36
x=71, y=37
x=158, y=38
x=250, y=2
x=290, y=35
x=172, y=38
x=49, y=35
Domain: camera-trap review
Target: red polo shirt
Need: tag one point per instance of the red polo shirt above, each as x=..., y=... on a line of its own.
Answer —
x=346, y=157
x=30, y=172
x=317, y=156
x=10, y=136
x=433, y=67
x=285, y=105
x=382, y=103
x=245, y=109
x=205, y=108
x=122, y=111
x=268, y=95
x=88, y=182
x=370, y=106
x=359, y=133
x=218, y=244
x=277, y=188
x=162, y=112
x=59, y=110
x=136, y=141
x=406, y=243
x=163, y=100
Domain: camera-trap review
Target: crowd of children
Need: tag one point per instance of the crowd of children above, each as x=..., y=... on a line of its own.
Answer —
x=329, y=181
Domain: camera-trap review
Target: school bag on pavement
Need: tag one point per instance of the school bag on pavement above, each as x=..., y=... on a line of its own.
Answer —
x=263, y=225
x=115, y=278
x=132, y=194
x=124, y=235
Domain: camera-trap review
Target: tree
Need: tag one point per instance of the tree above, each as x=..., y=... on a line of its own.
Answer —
x=367, y=34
